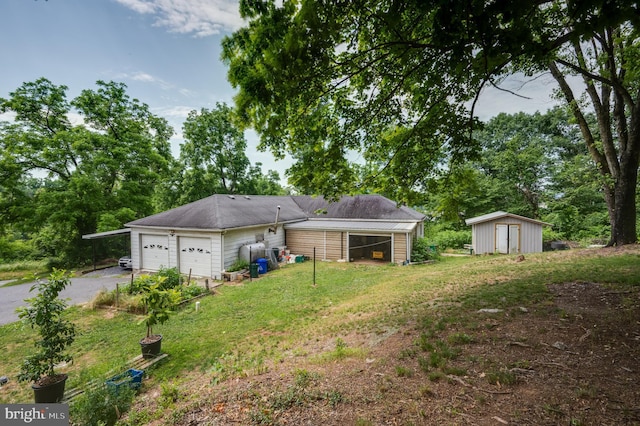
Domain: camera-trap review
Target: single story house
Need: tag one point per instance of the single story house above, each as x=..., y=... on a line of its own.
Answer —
x=502, y=232
x=207, y=236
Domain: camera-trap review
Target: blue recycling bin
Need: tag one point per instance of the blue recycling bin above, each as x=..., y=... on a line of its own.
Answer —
x=262, y=265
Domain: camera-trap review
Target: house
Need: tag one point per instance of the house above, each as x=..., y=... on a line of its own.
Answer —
x=205, y=237
x=501, y=232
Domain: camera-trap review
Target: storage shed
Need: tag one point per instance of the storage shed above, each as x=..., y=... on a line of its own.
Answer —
x=505, y=233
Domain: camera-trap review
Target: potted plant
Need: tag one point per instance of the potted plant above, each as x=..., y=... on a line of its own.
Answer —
x=45, y=312
x=158, y=303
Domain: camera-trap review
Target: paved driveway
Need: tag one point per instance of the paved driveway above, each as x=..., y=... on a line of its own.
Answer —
x=80, y=291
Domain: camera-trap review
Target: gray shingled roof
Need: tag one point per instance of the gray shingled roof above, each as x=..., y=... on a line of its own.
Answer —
x=368, y=206
x=219, y=212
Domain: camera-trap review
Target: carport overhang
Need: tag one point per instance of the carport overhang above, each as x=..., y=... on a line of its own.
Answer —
x=107, y=234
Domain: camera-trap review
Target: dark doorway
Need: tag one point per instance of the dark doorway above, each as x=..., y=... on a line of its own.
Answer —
x=370, y=247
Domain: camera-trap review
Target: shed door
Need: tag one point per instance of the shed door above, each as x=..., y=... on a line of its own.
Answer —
x=155, y=252
x=195, y=255
x=507, y=238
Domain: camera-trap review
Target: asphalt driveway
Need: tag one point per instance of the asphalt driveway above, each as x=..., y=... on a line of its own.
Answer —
x=80, y=291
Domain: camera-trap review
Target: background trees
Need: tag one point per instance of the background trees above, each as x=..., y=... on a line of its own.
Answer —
x=213, y=160
x=62, y=179
x=94, y=163
x=396, y=81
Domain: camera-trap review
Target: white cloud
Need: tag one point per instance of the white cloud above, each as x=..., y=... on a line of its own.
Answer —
x=198, y=17
x=143, y=77
x=177, y=111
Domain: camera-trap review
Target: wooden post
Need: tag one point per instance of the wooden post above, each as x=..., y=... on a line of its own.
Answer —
x=117, y=294
x=206, y=283
x=314, y=266
x=189, y=282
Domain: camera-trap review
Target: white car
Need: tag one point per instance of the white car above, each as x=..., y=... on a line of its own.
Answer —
x=125, y=262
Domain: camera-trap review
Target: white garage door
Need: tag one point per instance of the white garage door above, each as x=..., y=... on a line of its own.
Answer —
x=195, y=255
x=155, y=252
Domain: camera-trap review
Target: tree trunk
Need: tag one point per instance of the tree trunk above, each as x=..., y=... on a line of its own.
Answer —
x=618, y=169
x=623, y=226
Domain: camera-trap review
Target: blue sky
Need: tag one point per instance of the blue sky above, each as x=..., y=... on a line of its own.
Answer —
x=167, y=52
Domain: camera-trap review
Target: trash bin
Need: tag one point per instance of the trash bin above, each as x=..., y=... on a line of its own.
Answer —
x=253, y=270
x=262, y=265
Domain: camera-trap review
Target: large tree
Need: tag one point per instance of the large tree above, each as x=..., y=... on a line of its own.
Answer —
x=100, y=170
x=213, y=160
x=394, y=83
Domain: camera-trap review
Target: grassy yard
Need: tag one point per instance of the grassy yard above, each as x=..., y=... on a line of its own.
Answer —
x=245, y=329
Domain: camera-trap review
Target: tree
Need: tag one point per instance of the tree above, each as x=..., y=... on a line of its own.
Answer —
x=213, y=160
x=396, y=82
x=107, y=165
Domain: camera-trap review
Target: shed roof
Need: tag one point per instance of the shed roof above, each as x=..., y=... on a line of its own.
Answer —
x=220, y=212
x=500, y=215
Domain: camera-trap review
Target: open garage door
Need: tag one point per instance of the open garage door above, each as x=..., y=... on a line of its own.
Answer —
x=195, y=256
x=370, y=247
x=155, y=252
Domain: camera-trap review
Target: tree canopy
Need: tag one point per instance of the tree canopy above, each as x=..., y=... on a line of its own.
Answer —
x=394, y=84
x=63, y=179
x=213, y=160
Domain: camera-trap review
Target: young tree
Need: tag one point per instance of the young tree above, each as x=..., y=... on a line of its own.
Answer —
x=397, y=81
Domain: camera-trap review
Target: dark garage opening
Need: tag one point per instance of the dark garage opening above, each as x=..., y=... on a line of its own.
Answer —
x=370, y=247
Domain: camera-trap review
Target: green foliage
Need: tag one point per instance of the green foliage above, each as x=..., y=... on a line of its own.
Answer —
x=98, y=174
x=101, y=406
x=423, y=250
x=191, y=291
x=239, y=265
x=172, y=278
x=158, y=302
x=452, y=239
x=213, y=160
x=45, y=312
x=397, y=85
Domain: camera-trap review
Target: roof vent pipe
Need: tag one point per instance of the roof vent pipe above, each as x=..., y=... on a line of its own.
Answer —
x=274, y=229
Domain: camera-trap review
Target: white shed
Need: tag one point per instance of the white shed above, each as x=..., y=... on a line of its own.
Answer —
x=502, y=232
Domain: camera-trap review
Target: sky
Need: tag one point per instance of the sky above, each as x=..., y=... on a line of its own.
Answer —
x=167, y=52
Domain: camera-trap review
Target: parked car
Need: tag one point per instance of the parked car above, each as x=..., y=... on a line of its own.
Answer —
x=125, y=262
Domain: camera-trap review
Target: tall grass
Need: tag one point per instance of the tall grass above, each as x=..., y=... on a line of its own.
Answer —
x=20, y=269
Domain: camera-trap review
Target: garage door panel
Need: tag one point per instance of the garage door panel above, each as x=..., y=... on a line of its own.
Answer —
x=195, y=256
x=155, y=252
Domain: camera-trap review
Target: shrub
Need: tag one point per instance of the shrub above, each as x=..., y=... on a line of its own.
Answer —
x=191, y=291
x=238, y=265
x=452, y=239
x=101, y=406
x=173, y=278
x=423, y=250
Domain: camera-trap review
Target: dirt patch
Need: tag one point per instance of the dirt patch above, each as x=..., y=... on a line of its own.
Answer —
x=573, y=360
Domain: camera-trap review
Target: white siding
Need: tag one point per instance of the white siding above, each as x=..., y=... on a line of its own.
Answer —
x=235, y=239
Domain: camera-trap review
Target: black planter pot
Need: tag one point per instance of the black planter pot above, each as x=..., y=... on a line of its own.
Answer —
x=50, y=392
x=151, y=346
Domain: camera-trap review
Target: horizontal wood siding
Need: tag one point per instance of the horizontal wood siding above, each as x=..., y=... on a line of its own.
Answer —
x=400, y=248
x=328, y=244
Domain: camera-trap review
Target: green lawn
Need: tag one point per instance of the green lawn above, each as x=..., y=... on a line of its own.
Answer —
x=242, y=327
